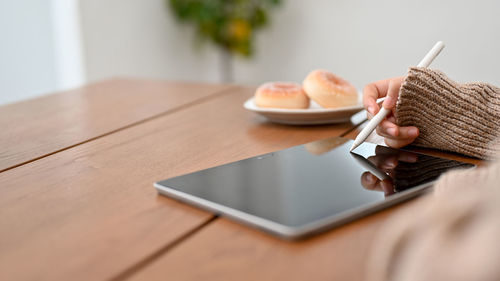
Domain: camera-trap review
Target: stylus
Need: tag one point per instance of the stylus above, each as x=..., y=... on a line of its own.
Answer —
x=425, y=62
x=370, y=167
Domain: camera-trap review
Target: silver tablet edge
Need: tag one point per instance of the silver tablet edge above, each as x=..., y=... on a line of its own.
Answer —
x=227, y=211
x=287, y=232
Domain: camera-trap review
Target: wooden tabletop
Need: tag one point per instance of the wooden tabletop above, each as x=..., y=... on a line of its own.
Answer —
x=77, y=200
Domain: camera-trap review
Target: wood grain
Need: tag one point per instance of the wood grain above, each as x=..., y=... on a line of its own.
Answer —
x=91, y=213
x=38, y=127
x=225, y=250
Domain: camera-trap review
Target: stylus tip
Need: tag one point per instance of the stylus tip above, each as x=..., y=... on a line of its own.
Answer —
x=354, y=145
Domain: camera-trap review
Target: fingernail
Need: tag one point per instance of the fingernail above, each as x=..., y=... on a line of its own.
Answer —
x=387, y=187
x=390, y=163
x=413, y=132
x=388, y=101
x=371, y=109
x=369, y=178
x=391, y=131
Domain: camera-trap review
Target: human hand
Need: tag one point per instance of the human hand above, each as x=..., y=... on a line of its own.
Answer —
x=394, y=135
x=385, y=160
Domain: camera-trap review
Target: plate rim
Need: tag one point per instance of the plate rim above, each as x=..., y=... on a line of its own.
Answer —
x=249, y=104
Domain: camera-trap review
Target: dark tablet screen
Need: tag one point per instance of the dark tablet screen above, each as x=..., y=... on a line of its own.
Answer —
x=313, y=181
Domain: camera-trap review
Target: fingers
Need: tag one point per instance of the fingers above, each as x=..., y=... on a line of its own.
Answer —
x=384, y=162
x=370, y=96
x=388, y=129
x=397, y=143
x=371, y=182
x=388, y=187
x=391, y=118
x=407, y=157
x=406, y=136
x=392, y=93
x=401, y=155
x=380, y=89
x=372, y=92
x=396, y=136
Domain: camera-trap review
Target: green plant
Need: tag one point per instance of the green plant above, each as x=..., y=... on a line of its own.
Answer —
x=231, y=24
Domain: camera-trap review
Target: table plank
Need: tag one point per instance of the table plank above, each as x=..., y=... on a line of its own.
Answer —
x=39, y=127
x=225, y=250
x=91, y=213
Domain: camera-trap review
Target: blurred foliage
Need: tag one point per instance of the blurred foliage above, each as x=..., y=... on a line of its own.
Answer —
x=230, y=24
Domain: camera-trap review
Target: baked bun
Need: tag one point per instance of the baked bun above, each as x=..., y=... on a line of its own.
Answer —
x=281, y=95
x=329, y=90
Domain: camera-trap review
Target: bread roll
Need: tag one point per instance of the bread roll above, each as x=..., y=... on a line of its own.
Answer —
x=281, y=95
x=329, y=90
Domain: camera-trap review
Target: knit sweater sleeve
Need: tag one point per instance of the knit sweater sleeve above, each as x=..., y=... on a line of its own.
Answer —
x=463, y=118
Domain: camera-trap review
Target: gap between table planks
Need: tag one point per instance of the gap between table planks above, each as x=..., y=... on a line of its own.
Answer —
x=36, y=128
x=226, y=250
x=91, y=213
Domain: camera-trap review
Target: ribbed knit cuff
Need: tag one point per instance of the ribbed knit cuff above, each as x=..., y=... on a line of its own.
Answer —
x=463, y=118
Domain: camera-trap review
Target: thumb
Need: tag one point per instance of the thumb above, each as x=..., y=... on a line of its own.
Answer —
x=392, y=94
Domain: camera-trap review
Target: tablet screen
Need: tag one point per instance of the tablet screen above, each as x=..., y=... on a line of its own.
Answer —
x=310, y=182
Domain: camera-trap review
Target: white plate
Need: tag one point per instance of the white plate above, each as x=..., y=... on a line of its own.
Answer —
x=313, y=115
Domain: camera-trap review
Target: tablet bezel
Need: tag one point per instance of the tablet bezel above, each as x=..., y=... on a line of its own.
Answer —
x=304, y=230
x=290, y=232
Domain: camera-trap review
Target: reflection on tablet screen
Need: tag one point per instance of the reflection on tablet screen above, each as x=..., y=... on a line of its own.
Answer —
x=310, y=182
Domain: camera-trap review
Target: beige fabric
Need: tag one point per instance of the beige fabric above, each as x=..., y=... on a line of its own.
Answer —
x=452, y=234
x=463, y=118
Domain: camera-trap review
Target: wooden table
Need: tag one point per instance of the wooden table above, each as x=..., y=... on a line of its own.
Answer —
x=77, y=200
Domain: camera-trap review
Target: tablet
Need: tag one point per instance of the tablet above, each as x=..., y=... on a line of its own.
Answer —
x=309, y=188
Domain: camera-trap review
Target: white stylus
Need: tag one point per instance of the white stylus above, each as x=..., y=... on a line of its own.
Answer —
x=425, y=62
x=370, y=167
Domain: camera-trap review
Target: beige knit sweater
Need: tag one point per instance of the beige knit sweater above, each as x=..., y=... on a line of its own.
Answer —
x=463, y=118
x=453, y=233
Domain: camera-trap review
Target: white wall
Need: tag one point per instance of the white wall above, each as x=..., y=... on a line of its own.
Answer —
x=26, y=50
x=40, y=48
x=69, y=61
x=367, y=40
x=361, y=40
x=140, y=38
